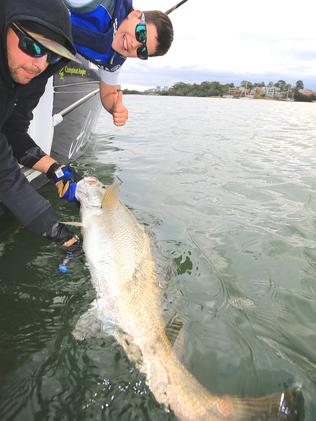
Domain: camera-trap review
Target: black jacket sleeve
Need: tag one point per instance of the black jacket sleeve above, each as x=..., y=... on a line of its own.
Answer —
x=29, y=207
x=20, y=197
x=26, y=151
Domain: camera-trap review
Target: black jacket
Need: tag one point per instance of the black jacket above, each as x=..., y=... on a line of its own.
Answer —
x=16, y=105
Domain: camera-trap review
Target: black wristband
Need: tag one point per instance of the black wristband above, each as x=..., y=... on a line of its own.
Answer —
x=51, y=170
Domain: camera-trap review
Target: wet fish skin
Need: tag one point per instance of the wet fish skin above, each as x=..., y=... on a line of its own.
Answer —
x=118, y=252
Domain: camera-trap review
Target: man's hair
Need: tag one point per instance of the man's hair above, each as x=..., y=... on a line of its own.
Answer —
x=164, y=30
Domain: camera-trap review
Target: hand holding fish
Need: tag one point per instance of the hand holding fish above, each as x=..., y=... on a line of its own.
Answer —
x=68, y=242
x=63, y=177
x=73, y=249
x=64, y=238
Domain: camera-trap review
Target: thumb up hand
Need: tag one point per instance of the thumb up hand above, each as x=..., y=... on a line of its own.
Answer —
x=120, y=112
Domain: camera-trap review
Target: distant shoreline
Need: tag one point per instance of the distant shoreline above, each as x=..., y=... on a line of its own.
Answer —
x=279, y=91
x=127, y=92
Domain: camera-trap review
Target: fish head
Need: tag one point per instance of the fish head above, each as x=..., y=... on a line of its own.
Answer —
x=90, y=192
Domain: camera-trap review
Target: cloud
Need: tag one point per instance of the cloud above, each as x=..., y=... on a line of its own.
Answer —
x=305, y=55
x=230, y=41
x=167, y=76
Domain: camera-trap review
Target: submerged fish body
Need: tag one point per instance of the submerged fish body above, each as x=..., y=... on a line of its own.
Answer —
x=119, y=255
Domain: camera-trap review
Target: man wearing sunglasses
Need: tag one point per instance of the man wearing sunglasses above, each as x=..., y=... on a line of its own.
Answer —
x=106, y=32
x=35, y=42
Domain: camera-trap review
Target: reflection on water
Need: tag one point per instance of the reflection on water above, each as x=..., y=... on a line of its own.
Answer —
x=227, y=190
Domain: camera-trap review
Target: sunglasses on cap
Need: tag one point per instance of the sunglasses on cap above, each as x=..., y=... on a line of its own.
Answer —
x=33, y=48
x=141, y=36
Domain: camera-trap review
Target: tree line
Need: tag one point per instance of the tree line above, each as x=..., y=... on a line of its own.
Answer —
x=216, y=89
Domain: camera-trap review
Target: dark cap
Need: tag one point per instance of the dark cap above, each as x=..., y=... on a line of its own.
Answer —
x=49, y=39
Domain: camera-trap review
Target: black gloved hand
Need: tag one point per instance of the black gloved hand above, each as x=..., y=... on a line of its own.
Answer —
x=64, y=238
x=68, y=242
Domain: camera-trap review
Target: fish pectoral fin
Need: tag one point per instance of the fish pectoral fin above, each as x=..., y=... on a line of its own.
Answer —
x=73, y=224
x=89, y=325
x=173, y=329
x=127, y=343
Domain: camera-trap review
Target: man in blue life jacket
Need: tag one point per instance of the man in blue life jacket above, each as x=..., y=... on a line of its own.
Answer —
x=106, y=32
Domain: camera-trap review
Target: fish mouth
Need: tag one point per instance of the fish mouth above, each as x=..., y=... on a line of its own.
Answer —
x=91, y=181
x=90, y=192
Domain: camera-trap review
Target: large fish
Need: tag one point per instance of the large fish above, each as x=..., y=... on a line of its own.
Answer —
x=122, y=267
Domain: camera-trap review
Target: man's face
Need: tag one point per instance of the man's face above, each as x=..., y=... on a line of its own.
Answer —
x=125, y=42
x=23, y=68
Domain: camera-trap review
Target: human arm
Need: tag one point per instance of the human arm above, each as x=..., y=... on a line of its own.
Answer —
x=112, y=101
x=44, y=164
x=66, y=187
x=62, y=176
x=25, y=150
x=28, y=206
x=16, y=145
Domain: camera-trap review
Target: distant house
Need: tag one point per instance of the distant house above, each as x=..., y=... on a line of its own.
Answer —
x=161, y=88
x=273, y=91
x=307, y=92
x=233, y=91
x=270, y=90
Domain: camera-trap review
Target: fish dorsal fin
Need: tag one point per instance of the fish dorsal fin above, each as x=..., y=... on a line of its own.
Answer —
x=110, y=198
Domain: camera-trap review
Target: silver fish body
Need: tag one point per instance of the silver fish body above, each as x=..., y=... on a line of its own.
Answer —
x=122, y=268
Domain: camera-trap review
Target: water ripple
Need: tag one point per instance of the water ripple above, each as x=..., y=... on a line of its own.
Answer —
x=227, y=190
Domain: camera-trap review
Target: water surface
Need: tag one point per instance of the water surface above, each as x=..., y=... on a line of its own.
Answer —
x=227, y=190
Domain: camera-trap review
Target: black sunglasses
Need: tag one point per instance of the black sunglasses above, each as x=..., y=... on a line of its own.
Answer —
x=33, y=48
x=141, y=36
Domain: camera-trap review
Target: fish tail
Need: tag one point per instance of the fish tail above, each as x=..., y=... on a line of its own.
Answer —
x=190, y=401
x=287, y=405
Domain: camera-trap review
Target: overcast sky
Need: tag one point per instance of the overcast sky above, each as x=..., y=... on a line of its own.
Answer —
x=231, y=41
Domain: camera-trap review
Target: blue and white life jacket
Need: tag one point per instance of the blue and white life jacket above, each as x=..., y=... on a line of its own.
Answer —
x=93, y=28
